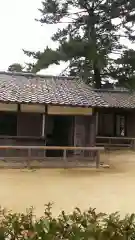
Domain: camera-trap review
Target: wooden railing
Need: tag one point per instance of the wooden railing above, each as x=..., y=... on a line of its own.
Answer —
x=116, y=141
x=22, y=137
x=96, y=150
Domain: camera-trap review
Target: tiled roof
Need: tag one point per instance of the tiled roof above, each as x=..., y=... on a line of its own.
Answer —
x=31, y=88
x=28, y=88
x=118, y=98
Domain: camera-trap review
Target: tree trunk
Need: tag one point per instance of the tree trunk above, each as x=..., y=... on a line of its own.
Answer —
x=93, y=38
x=97, y=77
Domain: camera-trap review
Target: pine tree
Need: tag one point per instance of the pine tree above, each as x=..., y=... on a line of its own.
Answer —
x=15, y=67
x=90, y=38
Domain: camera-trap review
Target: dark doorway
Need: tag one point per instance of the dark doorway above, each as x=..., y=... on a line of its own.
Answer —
x=8, y=124
x=61, y=133
x=61, y=130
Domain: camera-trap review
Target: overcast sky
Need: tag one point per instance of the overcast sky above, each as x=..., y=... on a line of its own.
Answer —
x=18, y=31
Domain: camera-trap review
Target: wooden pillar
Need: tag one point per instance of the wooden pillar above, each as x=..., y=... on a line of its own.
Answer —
x=43, y=125
x=44, y=130
x=96, y=123
x=92, y=134
x=133, y=144
x=18, y=119
x=92, y=131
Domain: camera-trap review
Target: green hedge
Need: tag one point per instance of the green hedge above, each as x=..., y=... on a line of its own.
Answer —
x=87, y=225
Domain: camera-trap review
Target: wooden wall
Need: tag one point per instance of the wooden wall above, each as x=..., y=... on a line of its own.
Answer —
x=85, y=130
x=131, y=124
x=109, y=122
x=29, y=124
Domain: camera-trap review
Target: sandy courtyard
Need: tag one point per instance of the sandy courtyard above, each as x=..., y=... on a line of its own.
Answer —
x=106, y=189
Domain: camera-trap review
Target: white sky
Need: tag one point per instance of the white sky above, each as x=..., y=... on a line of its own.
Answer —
x=19, y=30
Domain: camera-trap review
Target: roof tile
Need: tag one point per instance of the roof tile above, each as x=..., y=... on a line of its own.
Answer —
x=118, y=99
x=28, y=88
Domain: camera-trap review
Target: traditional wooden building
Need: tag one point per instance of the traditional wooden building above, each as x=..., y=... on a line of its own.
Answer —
x=46, y=110
x=39, y=110
x=116, y=122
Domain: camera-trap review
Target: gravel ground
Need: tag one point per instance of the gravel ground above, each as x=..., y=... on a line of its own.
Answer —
x=108, y=189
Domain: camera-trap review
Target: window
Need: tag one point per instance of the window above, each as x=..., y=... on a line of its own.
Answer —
x=8, y=124
x=120, y=125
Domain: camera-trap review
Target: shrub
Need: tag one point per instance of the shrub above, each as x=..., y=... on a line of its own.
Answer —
x=87, y=225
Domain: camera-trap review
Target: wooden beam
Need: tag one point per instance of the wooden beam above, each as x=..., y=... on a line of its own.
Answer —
x=52, y=147
x=35, y=108
x=8, y=107
x=43, y=125
x=66, y=110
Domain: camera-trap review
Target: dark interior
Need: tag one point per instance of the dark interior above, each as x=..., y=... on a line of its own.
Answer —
x=60, y=134
x=8, y=124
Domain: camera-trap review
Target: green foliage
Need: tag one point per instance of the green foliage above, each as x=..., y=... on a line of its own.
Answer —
x=78, y=225
x=15, y=67
x=125, y=69
x=89, y=38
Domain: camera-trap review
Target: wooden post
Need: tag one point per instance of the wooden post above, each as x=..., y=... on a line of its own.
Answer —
x=29, y=157
x=133, y=144
x=43, y=125
x=43, y=130
x=92, y=133
x=65, y=156
x=97, y=159
x=96, y=123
